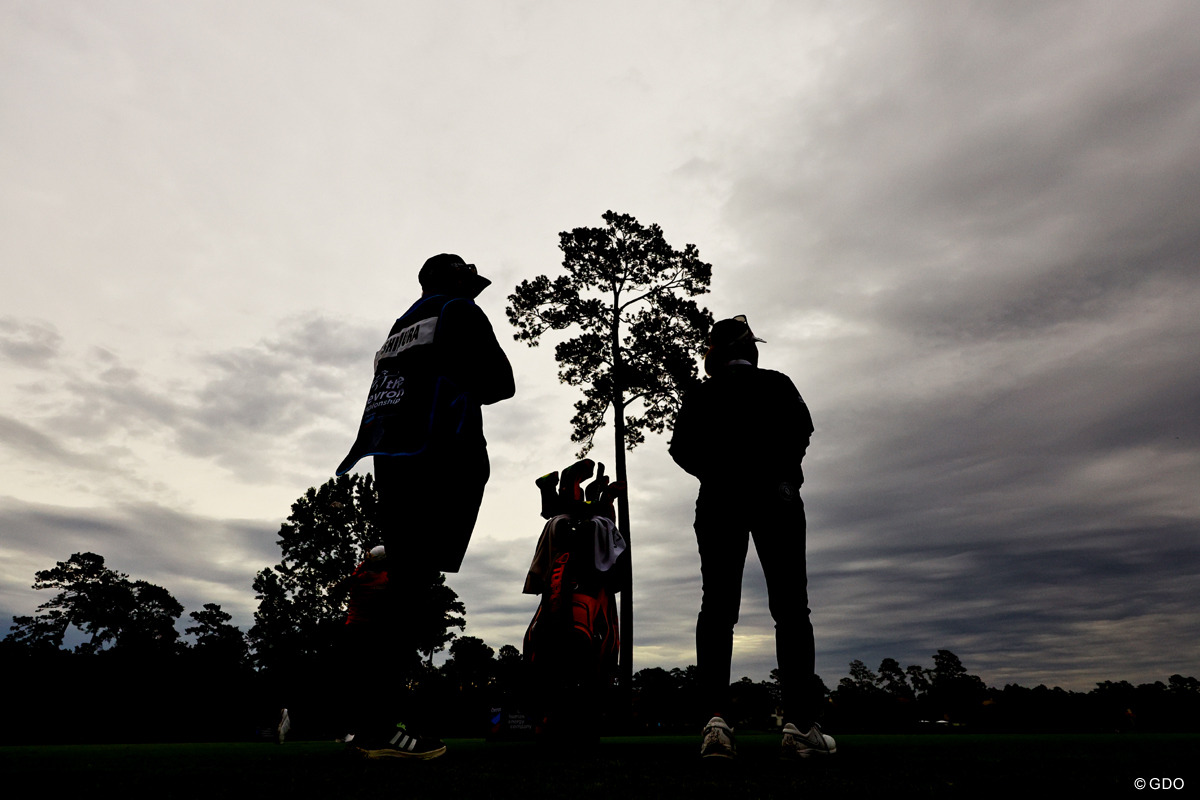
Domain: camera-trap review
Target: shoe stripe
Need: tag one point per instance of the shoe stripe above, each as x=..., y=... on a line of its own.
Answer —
x=403, y=741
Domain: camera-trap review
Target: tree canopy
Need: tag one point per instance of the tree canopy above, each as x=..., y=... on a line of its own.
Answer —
x=113, y=611
x=218, y=640
x=300, y=609
x=629, y=294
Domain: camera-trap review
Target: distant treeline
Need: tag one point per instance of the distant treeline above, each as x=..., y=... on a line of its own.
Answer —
x=136, y=679
x=192, y=694
x=944, y=698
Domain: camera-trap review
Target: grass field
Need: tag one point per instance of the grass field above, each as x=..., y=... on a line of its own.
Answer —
x=619, y=768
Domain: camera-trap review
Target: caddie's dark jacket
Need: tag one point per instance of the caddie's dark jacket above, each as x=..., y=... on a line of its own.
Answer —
x=439, y=364
x=743, y=426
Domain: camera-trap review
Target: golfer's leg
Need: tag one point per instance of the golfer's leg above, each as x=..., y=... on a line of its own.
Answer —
x=722, y=543
x=780, y=541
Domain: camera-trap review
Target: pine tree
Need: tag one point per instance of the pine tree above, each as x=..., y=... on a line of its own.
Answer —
x=640, y=334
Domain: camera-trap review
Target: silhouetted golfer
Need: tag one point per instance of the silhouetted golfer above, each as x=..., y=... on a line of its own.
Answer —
x=743, y=432
x=423, y=424
x=368, y=647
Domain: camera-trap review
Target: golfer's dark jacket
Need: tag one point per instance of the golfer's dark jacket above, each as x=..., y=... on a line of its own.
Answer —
x=439, y=364
x=744, y=426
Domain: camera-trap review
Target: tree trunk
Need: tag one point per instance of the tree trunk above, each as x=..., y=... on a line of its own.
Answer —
x=626, y=608
x=626, y=613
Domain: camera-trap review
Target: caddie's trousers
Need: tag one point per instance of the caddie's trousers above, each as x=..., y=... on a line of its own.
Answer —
x=427, y=512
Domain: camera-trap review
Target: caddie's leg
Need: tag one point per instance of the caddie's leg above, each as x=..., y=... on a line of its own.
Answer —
x=407, y=515
x=458, y=498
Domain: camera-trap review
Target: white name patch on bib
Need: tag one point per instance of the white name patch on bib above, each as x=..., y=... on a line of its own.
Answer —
x=416, y=334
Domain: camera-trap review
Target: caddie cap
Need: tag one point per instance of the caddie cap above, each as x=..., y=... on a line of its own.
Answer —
x=449, y=273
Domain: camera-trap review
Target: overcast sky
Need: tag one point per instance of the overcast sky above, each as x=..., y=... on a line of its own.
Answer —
x=969, y=232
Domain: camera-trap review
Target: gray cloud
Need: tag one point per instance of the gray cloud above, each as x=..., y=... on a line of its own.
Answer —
x=271, y=403
x=28, y=343
x=259, y=401
x=975, y=171
x=987, y=599
x=30, y=444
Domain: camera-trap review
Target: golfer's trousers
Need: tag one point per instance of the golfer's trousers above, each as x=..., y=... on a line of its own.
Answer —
x=726, y=516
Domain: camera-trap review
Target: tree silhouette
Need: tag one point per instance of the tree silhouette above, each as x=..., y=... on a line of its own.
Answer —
x=321, y=542
x=953, y=691
x=39, y=632
x=862, y=677
x=116, y=613
x=892, y=680
x=472, y=663
x=510, y=673
x=918, y=678
x=299, y=614
x=627, y=291
x=947, y=668
x=149, y=624
x=85, y=601
x=218, y=641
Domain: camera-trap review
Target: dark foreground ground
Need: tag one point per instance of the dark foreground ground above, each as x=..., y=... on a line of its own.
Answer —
x=618, y=768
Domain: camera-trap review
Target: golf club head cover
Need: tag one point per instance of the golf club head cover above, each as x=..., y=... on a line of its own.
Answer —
x=548, y=485
x=596, y=487
x=611, y=492
x=570, y=489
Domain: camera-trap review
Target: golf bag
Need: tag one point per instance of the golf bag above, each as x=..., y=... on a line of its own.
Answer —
x=573, y=641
